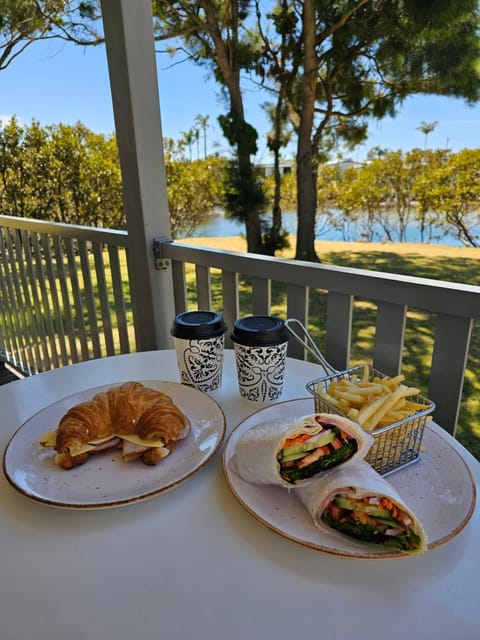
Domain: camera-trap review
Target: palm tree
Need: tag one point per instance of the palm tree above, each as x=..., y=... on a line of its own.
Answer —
x=202, y=122
x=426, y=128
x=189, y=138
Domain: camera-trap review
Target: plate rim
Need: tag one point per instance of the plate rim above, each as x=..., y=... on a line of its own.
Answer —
x=329, y=549
x=89, y=506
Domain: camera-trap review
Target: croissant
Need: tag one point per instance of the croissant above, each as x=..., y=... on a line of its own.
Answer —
x=144, y=422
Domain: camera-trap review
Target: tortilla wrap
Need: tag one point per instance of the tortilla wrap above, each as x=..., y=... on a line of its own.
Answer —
x=358, y=481
x=257, y=451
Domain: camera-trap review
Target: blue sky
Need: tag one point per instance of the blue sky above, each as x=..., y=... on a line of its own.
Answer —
x=55, y=82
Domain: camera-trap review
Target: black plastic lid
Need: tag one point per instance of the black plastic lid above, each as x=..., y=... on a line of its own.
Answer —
x=263, y=331
x=198, y=324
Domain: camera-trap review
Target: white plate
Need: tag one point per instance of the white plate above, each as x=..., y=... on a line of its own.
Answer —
x=439, y=488
x=105, y=480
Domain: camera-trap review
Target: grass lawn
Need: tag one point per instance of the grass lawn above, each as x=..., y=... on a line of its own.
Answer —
x=453, y=264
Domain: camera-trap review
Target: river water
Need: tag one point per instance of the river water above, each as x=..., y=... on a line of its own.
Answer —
x=223, y=227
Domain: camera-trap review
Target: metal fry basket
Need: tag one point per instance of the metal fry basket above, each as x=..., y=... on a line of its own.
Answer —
x=395, y=445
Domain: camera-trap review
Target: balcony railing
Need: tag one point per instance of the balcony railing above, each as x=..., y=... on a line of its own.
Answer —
x=64, y=294
x=65, y=297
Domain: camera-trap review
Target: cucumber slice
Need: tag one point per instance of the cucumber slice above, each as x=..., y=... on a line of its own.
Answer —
x=370, y=509
x=346, y=503
x=294, y=456
x=377, y=512
x=319, y=441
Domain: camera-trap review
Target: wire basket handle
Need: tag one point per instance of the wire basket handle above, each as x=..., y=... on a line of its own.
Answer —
x=300, y=333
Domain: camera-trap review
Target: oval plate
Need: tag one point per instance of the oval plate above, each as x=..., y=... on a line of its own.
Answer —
x=439, y=489
x=105, y=480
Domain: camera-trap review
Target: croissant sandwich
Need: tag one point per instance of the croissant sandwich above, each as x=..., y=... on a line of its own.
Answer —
x=143, y=422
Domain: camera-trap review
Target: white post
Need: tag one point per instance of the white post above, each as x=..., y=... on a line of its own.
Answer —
x=130, y=48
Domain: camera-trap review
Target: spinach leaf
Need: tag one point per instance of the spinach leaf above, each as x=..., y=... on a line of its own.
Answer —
x=407, y=541
x=293, y=473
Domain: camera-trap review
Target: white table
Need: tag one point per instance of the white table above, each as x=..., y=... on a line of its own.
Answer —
x=192, y=563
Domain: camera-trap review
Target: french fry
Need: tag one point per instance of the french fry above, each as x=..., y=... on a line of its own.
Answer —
x=351, y=397
x=353, y=414
x=387, y=404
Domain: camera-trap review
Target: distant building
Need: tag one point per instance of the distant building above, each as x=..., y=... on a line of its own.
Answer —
x=286, y=167
x=343, y=165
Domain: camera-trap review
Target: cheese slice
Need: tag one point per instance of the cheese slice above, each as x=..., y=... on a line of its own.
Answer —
x=78, y=449
x=49, y=439
x=134, y=439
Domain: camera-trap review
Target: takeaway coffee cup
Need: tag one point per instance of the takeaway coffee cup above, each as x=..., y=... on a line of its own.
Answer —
x=199, y=338
x=260, y=344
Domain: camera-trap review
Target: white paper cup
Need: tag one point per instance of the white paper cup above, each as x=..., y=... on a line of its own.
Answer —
x=260, y=344
x=200, y=362
x=200, y=357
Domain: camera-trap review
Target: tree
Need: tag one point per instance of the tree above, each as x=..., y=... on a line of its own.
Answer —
x=397, y=179
x=441, y=189
x=454, y=191
x=361, y=198
x=278, y=138
x=428, y=163
x=194, y=190
x=69, y=174
x=188, y=138
x=213, y=34
x=23, y=22
x=202, y=122
x=426, y=128
x=60, y=173
x=354, y=60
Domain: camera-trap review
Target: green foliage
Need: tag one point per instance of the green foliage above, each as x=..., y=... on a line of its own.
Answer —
x=238, y=131
x=216, y=35
x=288, y=200
x=454, y=193
x=344, y=63
x=60, y=173
x=69, y=174
x=194, y=191
x=23, y=22
x=438, y=189
x=242, y=195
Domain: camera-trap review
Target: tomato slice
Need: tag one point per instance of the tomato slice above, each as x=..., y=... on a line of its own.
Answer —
x=297, y=440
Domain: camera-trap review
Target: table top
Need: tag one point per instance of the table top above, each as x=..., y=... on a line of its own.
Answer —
x=192, y=562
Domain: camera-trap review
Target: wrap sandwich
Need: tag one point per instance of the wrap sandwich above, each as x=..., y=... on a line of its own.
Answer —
x=358, y=502
x=292, y=451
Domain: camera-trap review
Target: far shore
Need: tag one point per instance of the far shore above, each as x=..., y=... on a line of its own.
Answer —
x=238, y=243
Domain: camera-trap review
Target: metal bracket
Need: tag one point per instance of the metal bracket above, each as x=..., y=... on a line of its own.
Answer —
x=161, y=263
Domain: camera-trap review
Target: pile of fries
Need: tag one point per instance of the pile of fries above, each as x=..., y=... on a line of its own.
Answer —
x=372, y=401
x=395, y=413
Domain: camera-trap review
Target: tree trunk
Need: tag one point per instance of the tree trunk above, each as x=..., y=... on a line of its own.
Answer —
x=246, y=170
x=226, y=58
x=273, y=240
x=252, y=215
x=306, y=207
x=307, y=167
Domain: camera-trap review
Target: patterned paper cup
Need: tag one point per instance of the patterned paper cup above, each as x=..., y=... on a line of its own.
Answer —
x=199, y=338
x=260, y=344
